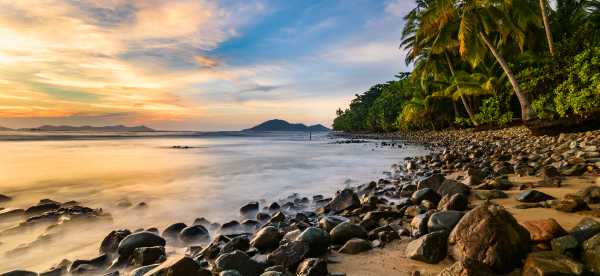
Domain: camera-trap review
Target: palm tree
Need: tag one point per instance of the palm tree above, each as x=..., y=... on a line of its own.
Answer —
x=543, y=5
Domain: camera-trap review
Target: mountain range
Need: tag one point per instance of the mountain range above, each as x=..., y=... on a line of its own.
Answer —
x=281, y=125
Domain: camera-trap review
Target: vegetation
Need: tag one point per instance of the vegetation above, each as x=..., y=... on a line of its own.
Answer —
x=484, y=62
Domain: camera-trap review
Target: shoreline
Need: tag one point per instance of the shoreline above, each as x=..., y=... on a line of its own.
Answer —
x=379, y=214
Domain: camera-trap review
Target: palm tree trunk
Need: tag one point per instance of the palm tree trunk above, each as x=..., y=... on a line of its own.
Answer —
x=464, y=101
x=547, y=27
x=525, y=106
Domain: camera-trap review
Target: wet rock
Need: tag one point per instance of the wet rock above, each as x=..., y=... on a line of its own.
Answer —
x=274, y=207
x=200, y=221
x=11, y=214
x=566, y=245
x=123, y=203
x=444, y=220
x=533, y=196
x=143, y=256
x=551, y=263
x=41, y=208
x=230, y=273
x=19, y=273
x=171, y=233
x=590, y=195
x=312, y=267
x=450, y=187
x=471, y=239
x=289, y=254
x=238, y=260
x=137, y=240
x=94, y=265
x=418, y=225
x=110, y=243
x=466, y=269
x=262, y=216
x=194, y=234
x=317, y=239
x=241, y=243
x=591, y=253
x=346, y=231
x=179, y=266
x=585, y=229
x=140, y=271
x=355, y=246
x=425, y=194
x=5, y=198
x=489, y=194
x=230, y=227
x=345, y=200
x=251, y=207
x=551, y=177
x=430, y=248
x=329, y=222
x=571, y=205
x=432, y=182
x=277, y=217
x=544, y=230
x=266, y=239
x=58, y=269
x=273, y=273
x=456, y=202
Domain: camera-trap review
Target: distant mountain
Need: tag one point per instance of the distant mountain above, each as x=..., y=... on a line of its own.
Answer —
x=117, y=128
x=5, y=128
x=281, y=125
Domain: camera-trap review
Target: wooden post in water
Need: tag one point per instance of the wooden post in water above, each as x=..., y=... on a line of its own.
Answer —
x=310, y=135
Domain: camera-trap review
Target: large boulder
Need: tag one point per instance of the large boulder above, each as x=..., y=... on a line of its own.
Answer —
x=591, y=254
x=143, y=256
x=171, y=233
x=346, y=231
x=193, y=235
x=289, y=254
x=490, y=235
x=425, y=194
x=241, y=243
x=317, y=240
x=179, y=266
x=450, y=187
x=430, y=248
x=347, y=199
x=139, y=239
x=456, y=202
x=312, y=267
x=238, y=260
x=110, y=243
x=444, y=220
x=550, y=263
x=544, y=230
x=266, y=239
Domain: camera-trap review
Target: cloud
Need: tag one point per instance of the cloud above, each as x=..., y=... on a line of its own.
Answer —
x=369, y=52
x=206, y=61
x=399, y=7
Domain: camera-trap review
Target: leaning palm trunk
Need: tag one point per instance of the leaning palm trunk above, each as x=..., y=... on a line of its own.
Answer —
x=547, y=27
x=464, y=101
x=525, y=106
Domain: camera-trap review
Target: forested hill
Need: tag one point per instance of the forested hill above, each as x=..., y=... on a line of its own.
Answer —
x=281, y=125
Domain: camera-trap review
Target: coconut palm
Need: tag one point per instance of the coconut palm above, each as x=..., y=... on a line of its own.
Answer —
x=543, y=6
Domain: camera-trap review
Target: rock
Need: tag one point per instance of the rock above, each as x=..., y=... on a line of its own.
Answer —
x=585, y=229
x=473, y=177
x=11, y=214
x=230, y=273
x=329, y=222
x=346, y=231
x=140, y=271
x=456, y=202
x=432, y=182
x=179, y=266
x=590, y=195
x=544, y=230
x=355, y=246
x=317, y=239
x=566, y=245
x=137, y=240
x=430, y=248
x=143, y=256
x=425, y=194
x=289, y=254
x=533, y=196
x=110, y=244
x=489, y=194
x=490, y=235
x=571, y=205
x=418, y=225
x=19, y=273
x=274, y=207
x=312, y=267
x=551, y=176
x=41, y=208
x=450, y=187
x=241, y=243
x=345, y=200
x=238, y=260
x=172, y=231
x=194, y=234
x=550, y=263
x=94, y=265
x=123, y=203
x=230, y=227
x=273, y=273
x=444, y=220
x=591, y=253
x=5, y=198
x=466, y=269
x=251, y=207
x=262, y=216
x=266, y=239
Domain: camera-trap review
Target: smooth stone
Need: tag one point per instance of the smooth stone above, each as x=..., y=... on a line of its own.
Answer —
x=591, y=254
x=267, y=238
x=194, y=234
x=230, y=273
x=110, y=243
x=19, y=273
x=585, y=229
x=544, y=230
x=355, y=246
x=249, y=208
x=317, y=239
x=565, y=245
x=289, y=254
x=329, y=222
x=533, y=196
x=425, y=194
x=418, y=225
x=179, y=266
x=238, y=260
x=551, y=263
x=143, y=256
x=172, y=231
x=444, y=220
x=346, y=231
x=140, y=271
x=455, y=202
x=467, y=269
x=489, y=194
x=241, y=243
x=312, y=267
x=430, y=248
x=347, y=199
x=137, y=240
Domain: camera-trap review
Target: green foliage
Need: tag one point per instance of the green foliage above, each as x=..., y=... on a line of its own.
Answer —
x=580, y=93
x=494, y=111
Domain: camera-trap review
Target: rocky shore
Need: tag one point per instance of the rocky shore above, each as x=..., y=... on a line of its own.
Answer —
x=452, y=210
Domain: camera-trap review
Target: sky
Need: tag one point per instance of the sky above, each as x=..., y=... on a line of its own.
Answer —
x=192, y=64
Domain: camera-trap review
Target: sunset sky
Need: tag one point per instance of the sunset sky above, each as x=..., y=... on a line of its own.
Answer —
x=192, y=64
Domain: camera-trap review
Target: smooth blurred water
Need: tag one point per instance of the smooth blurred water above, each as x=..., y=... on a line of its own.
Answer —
x=211, y=179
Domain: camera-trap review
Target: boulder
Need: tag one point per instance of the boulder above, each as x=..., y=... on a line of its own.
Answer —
x=41, y=208
x=550, y=263
x=585, y=229
x=230, y=273
x=179, y=266
x=591, y=254
x=238, y=260
x=143, y=256
x=355, y=246
x=432, y=182
x=110, y=243
x=425, y=194
x=347, y=199
x=266, y=239
x=444, y=220
x=430, y=248
x=5, y=198
x=250, y=207
x=544, y=230
x=289, y=254
x=94, y=265
x=193, y=235
x=137, y=240
x=468, y=268
x=418, y=225
x=489, y=194
x=172, y=231
x=571, y=205
x=312, y=267
x=591, y=194
x=346, y=231
x=533, y=196
x=241, y=243
x=19, y=273
x=450, y=187
x=317, y=239
x=566, y=245
x=140, y=271
x=456, y=202
x=489, y=235
x=329, y=222
x=550, y=177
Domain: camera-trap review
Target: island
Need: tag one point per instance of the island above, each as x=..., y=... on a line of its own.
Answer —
x=281, y=125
